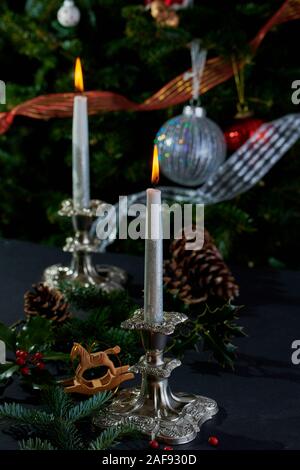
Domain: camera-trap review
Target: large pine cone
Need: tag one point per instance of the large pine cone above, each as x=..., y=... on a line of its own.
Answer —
x=47, y=303
x=197, y=276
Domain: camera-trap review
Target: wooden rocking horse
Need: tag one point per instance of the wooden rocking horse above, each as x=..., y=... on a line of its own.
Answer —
x=111, y=379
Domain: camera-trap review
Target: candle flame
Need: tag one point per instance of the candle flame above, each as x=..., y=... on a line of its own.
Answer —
x=155, y=166
x=78, y=78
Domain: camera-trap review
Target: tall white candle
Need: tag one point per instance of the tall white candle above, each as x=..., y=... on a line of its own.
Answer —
x=153, y=283
x=81, y=164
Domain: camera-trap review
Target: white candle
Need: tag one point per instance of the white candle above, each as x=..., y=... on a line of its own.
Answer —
x=81, y=170
x=2, y=352
x=153, y=284
x=80, y=140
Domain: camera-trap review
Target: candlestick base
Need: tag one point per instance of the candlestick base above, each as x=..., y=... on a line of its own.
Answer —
x=177, y=419
x=82, y=269
x=153, y=408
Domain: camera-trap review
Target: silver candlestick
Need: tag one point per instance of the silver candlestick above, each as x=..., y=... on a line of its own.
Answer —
x=153, y=408
x=82, y=245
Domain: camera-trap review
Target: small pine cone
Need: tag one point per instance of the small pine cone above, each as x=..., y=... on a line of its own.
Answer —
x=47, y=303
x=198, y=275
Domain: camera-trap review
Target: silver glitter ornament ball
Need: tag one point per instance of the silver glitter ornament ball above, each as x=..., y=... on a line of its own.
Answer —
x=191, y=147
x=68, y=15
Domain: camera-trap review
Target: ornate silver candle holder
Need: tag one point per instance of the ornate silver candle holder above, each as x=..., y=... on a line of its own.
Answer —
x=82, y=245
x=153, y=408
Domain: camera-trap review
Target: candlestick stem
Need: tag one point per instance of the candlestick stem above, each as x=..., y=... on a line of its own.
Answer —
x=82, y=268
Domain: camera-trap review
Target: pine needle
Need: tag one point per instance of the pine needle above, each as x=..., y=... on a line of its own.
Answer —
x=111, y=435
x=36, y=444
x=88, y=407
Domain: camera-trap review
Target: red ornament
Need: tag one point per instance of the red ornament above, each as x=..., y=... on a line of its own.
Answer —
x=168, y=448
x=40, y=365
x=20, y=361
x=25, y=371
x=240, y=131
x=213, y=441
x=154, y=444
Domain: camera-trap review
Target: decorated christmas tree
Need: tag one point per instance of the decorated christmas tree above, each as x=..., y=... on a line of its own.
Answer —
x=127, y=49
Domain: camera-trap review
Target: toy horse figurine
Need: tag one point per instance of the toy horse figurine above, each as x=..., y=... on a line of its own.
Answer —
x=112, y=379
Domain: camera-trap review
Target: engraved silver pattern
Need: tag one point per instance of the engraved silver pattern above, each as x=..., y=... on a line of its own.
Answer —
x=164, y=371
x=178, y=428
x=167, y=327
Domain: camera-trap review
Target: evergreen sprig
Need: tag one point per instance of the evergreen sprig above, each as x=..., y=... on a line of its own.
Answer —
x=56, y=427
x=15, y=412
x=100, y=328
x=36, y=444
x=85, y=409
x=112, y=435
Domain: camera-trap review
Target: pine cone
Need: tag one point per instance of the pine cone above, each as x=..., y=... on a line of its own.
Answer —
x=47, y=303
x=196, y=276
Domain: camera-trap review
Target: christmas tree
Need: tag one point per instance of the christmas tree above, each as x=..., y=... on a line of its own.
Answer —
x=125, y=50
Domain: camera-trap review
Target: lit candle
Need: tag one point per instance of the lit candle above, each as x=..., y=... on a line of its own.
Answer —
x=153, y=284
x=80, y=164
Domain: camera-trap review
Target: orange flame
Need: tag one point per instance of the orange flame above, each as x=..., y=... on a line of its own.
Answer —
x=155, y=166
x=78, y=78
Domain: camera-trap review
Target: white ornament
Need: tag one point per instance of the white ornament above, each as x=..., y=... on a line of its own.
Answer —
x=68, y=15
x=2, y=352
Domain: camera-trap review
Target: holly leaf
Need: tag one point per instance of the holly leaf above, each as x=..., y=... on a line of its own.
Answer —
x=56, y=356
x=36, y=335
x=7, y=370
x=219, y=348
x=8, y=336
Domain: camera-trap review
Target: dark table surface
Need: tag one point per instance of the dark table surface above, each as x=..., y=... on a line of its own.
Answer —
x=259, y=402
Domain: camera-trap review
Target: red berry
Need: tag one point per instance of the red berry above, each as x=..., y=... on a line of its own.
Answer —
x=154, y=444
x=40, y=365
x=213, y=441
x=168, y=448
x=20, y=361
x=25, y=371
x=37, y=356
x=21, y=353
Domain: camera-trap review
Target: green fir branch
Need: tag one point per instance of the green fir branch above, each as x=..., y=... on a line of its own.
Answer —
x=111, y=436
x=36, y=444
x=14, y=412
x=65, y=435
x=55, y=428
x=89, y=407
x=57, y=401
